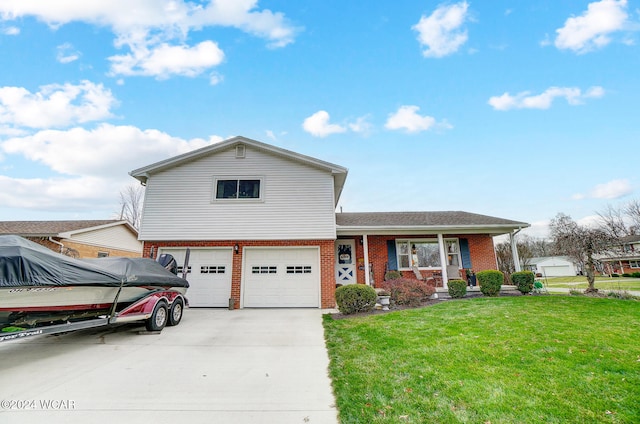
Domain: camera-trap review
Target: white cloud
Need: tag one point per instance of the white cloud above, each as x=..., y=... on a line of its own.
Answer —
x=11, y=30
x=93, y=164
x=441, y=33
x=55, y=105
x=66, y=53
x=318, y=125
x=525, y=100
x=71, y=194
x=614, y=189
x=164, y=60
x=361, y=125
x=152, y=30
x=104, y=151
x=407, y=118
x=592, y=30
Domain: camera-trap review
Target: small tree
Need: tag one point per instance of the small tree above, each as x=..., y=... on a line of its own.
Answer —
x=131, y=204
x=582, y=244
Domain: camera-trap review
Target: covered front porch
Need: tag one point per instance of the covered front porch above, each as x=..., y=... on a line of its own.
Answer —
x=419, y=245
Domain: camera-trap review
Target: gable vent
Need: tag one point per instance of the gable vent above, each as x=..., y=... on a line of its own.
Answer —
x=240, y=151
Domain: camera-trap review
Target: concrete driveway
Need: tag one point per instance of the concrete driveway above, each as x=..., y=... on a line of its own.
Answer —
x=217, y=366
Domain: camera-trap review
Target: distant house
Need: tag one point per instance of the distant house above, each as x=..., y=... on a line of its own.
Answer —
x=626, y=260
x=553, y=266
x=82, y=239
x=262, y=231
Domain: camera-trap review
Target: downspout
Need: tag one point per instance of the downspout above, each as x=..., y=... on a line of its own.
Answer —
x=58, y=243
x=514, y=250
x=365, y=246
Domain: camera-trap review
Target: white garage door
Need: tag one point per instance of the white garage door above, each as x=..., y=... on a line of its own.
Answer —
x=209, y=275
x=558, y=271
x=281, y=277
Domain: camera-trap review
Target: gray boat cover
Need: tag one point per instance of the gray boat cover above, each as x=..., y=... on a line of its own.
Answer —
x=25, y=263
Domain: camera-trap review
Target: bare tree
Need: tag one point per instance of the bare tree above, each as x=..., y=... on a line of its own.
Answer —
x=612, y=220
x=632, y=211
x=131, y=198
x=581, y=243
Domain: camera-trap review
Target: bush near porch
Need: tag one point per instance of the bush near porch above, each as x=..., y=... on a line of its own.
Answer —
x=405, y=291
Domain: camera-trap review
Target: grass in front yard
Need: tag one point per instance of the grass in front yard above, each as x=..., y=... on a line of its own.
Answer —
x=606, y=283
x=525, y=359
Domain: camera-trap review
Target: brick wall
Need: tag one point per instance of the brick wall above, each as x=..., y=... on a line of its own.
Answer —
x=327, y=261
x=480, y=247
x=84, y=250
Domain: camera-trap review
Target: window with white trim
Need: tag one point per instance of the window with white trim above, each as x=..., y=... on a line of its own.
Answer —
x=298, y=269
x=234, y=188
x=426, y=253
x=268, y=269
x=180, y=269
x=634, y=264
x=212, y=269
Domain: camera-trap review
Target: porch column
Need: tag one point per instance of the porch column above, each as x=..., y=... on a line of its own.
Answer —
x=443, y=261
x=365, y=246
x=514, y=250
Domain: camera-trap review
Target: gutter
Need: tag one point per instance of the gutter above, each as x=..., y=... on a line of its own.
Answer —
x=58, y=243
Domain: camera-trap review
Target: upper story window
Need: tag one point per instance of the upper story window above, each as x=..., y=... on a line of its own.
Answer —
x=238, y=189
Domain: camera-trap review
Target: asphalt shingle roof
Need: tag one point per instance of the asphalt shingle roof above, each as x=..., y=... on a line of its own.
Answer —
x=440, y=218
x=48, y=228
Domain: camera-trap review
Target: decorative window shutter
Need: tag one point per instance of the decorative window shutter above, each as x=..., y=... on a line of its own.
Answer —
x=464, y=252
x=392, y=257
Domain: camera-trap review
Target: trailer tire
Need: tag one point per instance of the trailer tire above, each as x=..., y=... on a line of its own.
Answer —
x=159, y=317
x=175, y=313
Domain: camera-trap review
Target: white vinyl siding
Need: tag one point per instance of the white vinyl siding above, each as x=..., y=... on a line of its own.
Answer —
x=115, y=237
x=297, y=200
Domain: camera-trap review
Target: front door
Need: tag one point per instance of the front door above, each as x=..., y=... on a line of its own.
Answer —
x=346, y=262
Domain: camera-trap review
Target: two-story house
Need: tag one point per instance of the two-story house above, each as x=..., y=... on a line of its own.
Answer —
x=261, y=228
x=626, y=259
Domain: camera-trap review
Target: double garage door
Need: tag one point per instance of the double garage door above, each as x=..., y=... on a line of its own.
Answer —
x=272, y=277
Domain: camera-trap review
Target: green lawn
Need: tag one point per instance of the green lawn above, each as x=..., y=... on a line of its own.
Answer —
x=524, y=359
x=607, y=283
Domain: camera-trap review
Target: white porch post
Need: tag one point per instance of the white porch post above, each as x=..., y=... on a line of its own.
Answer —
x=514, y=250
x=365, y=245
x=443, y=260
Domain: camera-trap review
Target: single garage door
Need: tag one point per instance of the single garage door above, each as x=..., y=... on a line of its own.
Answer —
x=281, y=277
x=209, y=275
x=558, y=271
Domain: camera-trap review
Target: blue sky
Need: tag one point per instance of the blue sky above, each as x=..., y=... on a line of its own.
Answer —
x=513, y=109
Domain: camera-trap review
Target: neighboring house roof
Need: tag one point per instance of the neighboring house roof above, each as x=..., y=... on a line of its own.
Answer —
x=64, y=229
x=339, y=173
x=406, y=222
x=630, y=239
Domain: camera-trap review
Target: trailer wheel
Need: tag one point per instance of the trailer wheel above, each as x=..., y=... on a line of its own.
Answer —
x=175, y=313
x=159, y=317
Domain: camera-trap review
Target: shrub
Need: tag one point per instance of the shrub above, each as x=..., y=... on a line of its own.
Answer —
x=457, y=288
x=392, y=275
x=626, y=274
x=408, y=292
x=623, y=295
x=523, y=281
x=635, y=274
x=575, y=292
x=354, y=298
x=490, y=282
x=615, y=275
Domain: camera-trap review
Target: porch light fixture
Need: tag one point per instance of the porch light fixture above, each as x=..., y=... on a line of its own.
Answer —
x=236, y=248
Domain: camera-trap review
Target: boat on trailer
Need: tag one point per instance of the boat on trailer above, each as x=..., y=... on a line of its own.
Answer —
x=41, y=289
